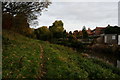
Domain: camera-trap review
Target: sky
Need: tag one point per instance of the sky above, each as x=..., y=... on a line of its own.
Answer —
x=75, y=15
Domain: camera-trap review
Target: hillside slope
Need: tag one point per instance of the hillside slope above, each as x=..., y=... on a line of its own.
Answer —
x=28, y=58
x=20, y=56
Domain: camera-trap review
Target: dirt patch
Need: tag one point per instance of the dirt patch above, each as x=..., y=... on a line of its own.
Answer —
x=42, y=70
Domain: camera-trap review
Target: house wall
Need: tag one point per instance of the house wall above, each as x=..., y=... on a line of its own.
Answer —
x=111, y=39
x=118, y=39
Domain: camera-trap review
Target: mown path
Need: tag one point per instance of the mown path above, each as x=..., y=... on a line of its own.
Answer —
x=42, y=70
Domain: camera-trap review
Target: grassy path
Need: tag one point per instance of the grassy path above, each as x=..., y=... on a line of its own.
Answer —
x=42, y=70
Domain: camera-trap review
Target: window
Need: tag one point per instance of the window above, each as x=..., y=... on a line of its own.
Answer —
x=113, y=37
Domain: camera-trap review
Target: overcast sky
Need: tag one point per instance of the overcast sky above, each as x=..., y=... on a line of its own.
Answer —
x=75, y=15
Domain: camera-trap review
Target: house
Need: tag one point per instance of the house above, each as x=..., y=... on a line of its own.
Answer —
x=89, y=31
x=112, y=39
x=80, y=33
x=108, y=39
x=99, y=30
x=107, y=35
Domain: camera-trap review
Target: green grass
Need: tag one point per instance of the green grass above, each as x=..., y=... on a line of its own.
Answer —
x=21, y=59
x=20, y=56
x=66, y=63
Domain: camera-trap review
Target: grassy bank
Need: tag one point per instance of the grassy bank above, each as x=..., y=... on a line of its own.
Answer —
x=20, y=56
x=63, y=62
x=22, y=59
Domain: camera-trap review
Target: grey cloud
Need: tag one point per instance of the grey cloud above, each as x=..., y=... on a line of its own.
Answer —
x=77, y=14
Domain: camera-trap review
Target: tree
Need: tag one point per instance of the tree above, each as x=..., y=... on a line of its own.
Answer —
x=18, y=15
x=72, y=38
x=112, y=30
x=7, y=21
x=43, y=33
x=64, y=34
x=57, y=29
x=29, y=9
x=70, y=33
x=76, y=33
x=84, y=32
x=19, y=21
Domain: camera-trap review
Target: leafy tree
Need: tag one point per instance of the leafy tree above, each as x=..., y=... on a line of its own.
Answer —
x=29, y=9
x=29, y=32
x=70, y=33
x=43, y=33
x=18, y=15
x=19, y=21
x=76, y=33
x=72, y=38
x=64, y=34
x=57, y=29
x=112, y=30
x=84, y=32
x=7, y=21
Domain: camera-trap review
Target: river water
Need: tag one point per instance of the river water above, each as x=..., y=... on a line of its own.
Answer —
x=110, y=58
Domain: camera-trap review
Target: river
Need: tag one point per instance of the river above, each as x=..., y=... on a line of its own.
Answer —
x=110, y=58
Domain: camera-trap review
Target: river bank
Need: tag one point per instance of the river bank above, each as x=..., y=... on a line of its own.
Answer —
x=107, y=53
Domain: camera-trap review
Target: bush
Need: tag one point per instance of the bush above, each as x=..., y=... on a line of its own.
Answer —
x=43, y=33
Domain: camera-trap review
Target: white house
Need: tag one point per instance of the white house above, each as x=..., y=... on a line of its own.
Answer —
x=112, y=39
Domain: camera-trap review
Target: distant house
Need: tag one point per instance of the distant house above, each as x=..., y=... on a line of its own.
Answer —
x=109, y=39
x=80, y=33
x=112, y=39
x=89, y=31
x=99, y=30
